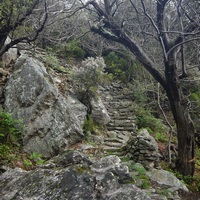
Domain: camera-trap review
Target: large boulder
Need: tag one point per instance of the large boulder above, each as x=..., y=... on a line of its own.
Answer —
x=52, y=122
x=166, y=178
x=79, y=179
x=99, y=112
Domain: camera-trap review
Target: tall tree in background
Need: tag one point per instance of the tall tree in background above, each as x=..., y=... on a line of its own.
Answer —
x=156, y=32
x=21, y=20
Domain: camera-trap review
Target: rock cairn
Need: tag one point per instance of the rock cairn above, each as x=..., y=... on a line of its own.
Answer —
x=143, y=148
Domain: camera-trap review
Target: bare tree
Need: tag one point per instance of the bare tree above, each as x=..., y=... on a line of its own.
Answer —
x=22, y=21
x=155, y=31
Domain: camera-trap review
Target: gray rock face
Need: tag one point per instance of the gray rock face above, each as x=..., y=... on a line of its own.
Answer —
x=52, y=122
x=166, y=178
x=99, y=112
x=74, y=182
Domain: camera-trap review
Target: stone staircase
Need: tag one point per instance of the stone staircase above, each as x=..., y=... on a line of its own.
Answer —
x=118, y=103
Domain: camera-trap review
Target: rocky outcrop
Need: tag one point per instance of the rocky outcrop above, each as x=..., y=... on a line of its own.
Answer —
x=99, y=112
x=166, y=178
x=52, y=122
x=79, y=179
x=73, y=176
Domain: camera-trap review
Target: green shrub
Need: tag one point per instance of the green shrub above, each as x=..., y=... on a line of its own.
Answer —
x=119, y=65
x=195, y=97
x=37, y=158
x=88, y=125
x=161, y=137
x=27, y=164
x=51, y=59
x=73, y=49
x=145, y=119
x=139, y=94
x=145, y=184
x=88, y=77
x=11, y=131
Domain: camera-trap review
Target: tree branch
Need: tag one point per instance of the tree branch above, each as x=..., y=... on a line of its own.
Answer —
x=180, y=43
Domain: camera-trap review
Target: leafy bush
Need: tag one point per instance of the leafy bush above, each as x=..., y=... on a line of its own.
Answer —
x=139, y=93
x=145, y=119
x=161, y=137
x=87, y=79
x=11, y=131
x=88, y=125
x=51, y=59
x=36, y=158
x=120, y=66
x=73, y=49
x=195, y=97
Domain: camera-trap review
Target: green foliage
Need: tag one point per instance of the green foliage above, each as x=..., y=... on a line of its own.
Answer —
x=88, y=77
x=145, y=119
x=37, y=158
x=145, y=184
x=11, y=131
x=51, y=60
x=32, y=160
x=195, y=96
x=27, y=164
x=11, y=147
x=73, y=49
x=131, y=166
x=134, y=167
x=119, y=65
x=139, y=93
x=161, y=137
x=19, y=20
x=83, y=169
x=89, y=125
x=15, y=9
x=140, y=175
x=165, y=192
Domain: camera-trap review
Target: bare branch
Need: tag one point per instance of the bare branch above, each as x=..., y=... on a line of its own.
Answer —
x=177, y=45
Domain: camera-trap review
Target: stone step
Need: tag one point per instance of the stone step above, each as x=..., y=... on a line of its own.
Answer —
x=121, y=109
x=113, y=144
x=125, y=138
x=120, y=98
x=122, y=121
x=115, y=140
x=116, y=116
x=113, y=150
x=122, y=117
x=117, y=106
x=118, y=128
x=128, y=124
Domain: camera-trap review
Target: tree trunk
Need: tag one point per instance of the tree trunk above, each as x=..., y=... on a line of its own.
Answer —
x=184, y=124
x=185, y=135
